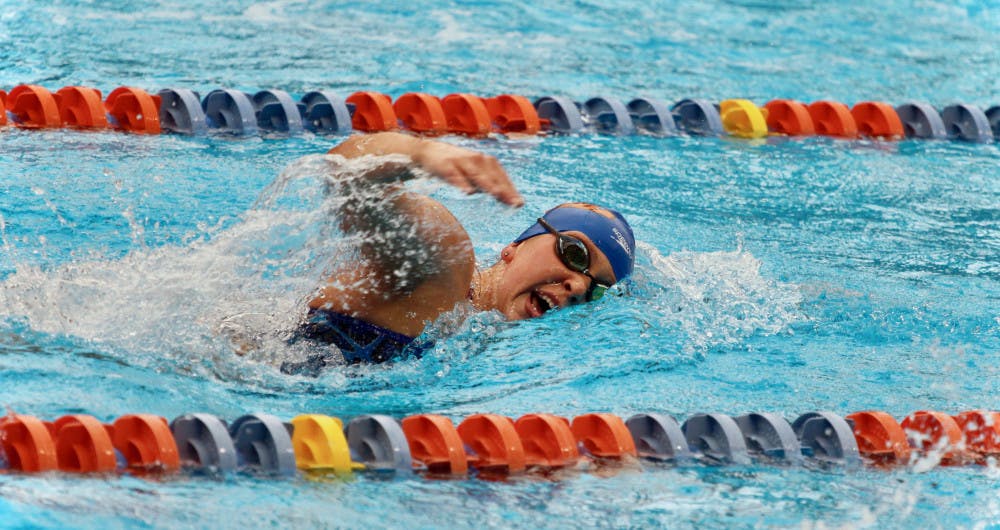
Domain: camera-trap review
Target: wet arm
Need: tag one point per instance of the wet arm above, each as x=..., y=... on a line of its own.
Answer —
x=465, y=169
x=407, y=238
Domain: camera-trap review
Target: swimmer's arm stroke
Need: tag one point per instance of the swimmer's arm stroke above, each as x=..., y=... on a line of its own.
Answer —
x=409, y=240
x=467, y=170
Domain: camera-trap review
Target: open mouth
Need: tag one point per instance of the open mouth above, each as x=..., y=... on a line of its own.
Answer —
x=539, y=304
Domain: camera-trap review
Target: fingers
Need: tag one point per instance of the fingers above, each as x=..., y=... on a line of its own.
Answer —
x=506, y=191
x=486, y=174
x=468, y=170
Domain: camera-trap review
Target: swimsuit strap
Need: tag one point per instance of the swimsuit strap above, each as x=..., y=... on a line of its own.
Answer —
x=357, y=352
x=350, y=334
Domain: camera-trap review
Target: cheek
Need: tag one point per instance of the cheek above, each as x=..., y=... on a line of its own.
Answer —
x=529, y=275
x=533, y=266
x=539, y=259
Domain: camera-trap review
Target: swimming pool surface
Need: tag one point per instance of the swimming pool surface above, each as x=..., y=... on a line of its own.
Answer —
x=781, y=276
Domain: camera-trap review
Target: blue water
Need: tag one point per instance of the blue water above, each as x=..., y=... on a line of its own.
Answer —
x=781, y=276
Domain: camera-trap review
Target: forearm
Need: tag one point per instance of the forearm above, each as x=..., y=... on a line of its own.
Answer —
x=378, y=144
x=386, y=169
x=467, y=170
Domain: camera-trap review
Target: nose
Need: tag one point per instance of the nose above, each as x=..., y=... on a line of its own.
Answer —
x=576, y=287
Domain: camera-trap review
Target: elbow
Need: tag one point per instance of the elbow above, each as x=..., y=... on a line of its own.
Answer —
x=377, y=144
x=350, y=147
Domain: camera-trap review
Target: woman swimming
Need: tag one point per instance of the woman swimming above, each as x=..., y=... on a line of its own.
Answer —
x=417, y=262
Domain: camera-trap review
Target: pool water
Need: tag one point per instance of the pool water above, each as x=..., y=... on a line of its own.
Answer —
x=773, y=276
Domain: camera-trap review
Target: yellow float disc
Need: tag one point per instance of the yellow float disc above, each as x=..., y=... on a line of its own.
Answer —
x=741, y=118
x=319, y=443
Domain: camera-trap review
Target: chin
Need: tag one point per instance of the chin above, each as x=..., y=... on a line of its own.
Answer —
x=514, y=311
x=514, y=315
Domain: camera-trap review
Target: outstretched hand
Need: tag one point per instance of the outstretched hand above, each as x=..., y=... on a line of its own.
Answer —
x=467, y=170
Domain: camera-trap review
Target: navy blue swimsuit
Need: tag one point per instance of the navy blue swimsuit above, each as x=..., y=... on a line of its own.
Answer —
x=357, y=340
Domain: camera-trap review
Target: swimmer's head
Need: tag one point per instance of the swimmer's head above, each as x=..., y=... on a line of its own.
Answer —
x=605, y=228
x=570, y=256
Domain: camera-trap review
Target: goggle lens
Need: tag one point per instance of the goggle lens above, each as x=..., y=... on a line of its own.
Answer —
x=596, y=291
x=574, y=254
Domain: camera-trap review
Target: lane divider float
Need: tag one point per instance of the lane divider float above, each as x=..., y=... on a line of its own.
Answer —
x=789, y=117
x=228, y=111
x=492, y=444
x=488, y=445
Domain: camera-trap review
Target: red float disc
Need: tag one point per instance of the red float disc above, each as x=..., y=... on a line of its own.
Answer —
x=27, y=443
x=877, y=120
x=421, y=113
x=83, y=445
x=134, y=110
x=880, y=437
x=930, y=430
x=146, y=442
x=981, y=429
x=494, y=441
x=832, y=118
x=3, y=108
x=466, y=114
x=33, y=107
x=604, y=435
x=434, y=442
x=547, y=440
x=786, y=116
x=513, y=114
x=372, y=112
x=80, y=106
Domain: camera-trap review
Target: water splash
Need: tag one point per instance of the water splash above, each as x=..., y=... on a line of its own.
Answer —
x=241, y=289
x=715, y=298
x=233, y=290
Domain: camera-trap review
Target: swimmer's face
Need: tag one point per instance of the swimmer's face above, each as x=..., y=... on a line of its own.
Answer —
x=535, y=279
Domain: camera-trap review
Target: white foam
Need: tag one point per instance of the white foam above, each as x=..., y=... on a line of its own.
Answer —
x=716, y=298
x=224, y=291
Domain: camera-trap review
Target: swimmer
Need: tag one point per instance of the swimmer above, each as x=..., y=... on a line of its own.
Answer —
x=417, y=261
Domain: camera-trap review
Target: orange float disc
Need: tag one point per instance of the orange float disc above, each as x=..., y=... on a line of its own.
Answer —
x=877, y=120
x=134, y=110
x=880, y=437
x=146, y=442
x=435, y=443
x=929, y=430
x=372, y=112
x=466, y=114
x=547, y=440
x=832, y=118
x=786, y=116
x=421, y=113
x=981, y=429
x=603, y=435
x=3, y=108
x=513, y=114
x=33, y=107
x=80, y=106
x=83, y=445
x=27, y=443
x=494, y=442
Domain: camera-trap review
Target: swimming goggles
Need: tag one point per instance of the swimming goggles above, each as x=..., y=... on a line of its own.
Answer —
x=574, y=254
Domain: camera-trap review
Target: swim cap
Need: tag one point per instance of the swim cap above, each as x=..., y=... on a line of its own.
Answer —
x=613, y=237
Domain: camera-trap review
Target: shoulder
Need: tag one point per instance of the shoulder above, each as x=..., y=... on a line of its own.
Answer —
x=447, y=244
x=423, y=284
